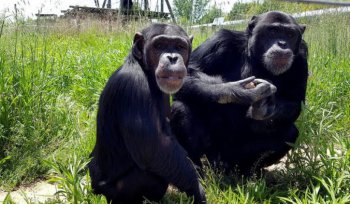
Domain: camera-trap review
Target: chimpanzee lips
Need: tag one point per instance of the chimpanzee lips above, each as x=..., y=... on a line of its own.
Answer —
x=170, y=84
x=281, y=60
x=171, y=78
x=171, y=81
x=278, y=62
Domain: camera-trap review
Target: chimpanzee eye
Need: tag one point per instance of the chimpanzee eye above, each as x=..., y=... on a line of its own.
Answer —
x=158, y=46
x=273, y=30
x=181, y=47
x=290, y=34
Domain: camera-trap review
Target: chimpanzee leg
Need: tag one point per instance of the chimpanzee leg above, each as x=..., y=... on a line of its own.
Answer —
x=288, y=137
x=264, y=150
x=189, y=131
x=134, y=187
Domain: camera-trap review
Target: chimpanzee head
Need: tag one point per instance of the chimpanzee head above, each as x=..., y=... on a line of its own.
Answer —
x=274, y=40
x=163, y=51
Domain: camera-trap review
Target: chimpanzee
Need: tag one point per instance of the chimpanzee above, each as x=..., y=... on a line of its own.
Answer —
x=244, y=123
x=136, y=155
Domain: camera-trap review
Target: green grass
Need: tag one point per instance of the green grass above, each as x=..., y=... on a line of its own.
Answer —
x=50, y=82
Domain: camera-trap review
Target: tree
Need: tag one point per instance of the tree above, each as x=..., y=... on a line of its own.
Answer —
x=242, y=10
x=239, y=10
x=190, y=10
x=211, y=14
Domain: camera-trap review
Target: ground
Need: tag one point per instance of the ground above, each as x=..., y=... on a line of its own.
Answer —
x=40, y=191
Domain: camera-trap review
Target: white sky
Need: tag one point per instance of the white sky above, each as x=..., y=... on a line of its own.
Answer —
x=30, y=7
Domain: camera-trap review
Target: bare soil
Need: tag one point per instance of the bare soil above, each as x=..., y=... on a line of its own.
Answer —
x=38, y=192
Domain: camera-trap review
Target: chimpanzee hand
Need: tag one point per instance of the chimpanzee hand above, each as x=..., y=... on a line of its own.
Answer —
x=247, y=91
x=263, y=109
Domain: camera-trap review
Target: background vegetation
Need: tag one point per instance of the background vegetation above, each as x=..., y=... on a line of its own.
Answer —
x=201, y=11
x=50, y=81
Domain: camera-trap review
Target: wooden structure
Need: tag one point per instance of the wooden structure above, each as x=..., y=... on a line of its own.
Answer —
x=46, y=16
x=126, y=7
x=107, y=13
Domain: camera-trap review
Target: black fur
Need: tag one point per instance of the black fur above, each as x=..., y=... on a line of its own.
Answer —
x=135, y=155
x=225, y=132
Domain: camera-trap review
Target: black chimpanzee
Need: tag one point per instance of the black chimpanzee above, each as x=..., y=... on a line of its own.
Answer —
x=136, y=155
x=247, y=123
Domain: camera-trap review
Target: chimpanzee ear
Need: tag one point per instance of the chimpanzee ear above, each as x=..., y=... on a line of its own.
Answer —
x=251, y=24
x=191, y=38
x=137, y=46
x=302, y=28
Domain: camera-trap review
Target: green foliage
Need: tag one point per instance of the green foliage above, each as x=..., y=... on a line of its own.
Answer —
x=199, y=9
x=239, y=10
x=190, y=11
x=243, y=10
x=8, y=199
x=73, y=182
x=183, y=10
x=211, y=14
x=49, y=87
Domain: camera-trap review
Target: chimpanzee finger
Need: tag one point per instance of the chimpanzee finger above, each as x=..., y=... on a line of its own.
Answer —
x=259, y=81
x=264, y=90
x=262, y=81
x=246, y=80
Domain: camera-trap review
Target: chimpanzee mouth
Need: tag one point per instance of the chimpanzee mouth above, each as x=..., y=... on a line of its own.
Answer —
x=278, y=63
x=170, y=78
x=170, y=84
x=170, y=81
x=281, y=60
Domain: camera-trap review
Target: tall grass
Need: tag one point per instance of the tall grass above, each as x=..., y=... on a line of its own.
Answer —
x=50, y=83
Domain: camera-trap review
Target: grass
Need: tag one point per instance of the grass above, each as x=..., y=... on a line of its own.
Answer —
x=50, y=82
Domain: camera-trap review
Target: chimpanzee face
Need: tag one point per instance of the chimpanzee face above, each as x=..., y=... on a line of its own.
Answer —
x=275, y=39
x=166, y=55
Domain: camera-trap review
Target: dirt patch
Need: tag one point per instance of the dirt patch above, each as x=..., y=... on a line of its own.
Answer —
x=38, y=192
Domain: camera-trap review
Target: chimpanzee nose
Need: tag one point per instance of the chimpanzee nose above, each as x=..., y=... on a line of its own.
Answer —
x=172, y=58
x=282, y=43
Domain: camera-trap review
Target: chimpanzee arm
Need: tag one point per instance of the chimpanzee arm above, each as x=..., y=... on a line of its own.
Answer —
x=284, y=114
x=215, y=56
x=286, y=111
x=176, y=167
x=148, y=140
x=286, y=105
x=289, y=102
x=279, y=111
x=200, y=87
x=154, y=150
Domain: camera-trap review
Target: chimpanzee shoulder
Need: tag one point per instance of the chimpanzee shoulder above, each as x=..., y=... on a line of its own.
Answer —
x=220, y=54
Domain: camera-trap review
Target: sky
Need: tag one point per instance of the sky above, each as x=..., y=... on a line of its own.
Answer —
x=30, y=7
